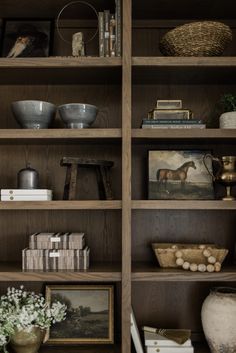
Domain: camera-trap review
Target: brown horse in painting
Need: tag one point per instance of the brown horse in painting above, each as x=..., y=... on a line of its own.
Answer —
x=163, y=175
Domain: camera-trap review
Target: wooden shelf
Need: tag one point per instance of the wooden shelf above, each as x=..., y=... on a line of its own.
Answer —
x=163, y=61
x=83, y=349
x=183, y=205
x=100, y=272
x=52, y=136
x=182, y=70
x=54, y=62
x=150, y=135
x=57, y=70
x=60, y=205
x=150, y=272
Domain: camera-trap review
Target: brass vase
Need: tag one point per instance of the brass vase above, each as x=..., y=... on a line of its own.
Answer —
x=25, y=341
x=226, y=173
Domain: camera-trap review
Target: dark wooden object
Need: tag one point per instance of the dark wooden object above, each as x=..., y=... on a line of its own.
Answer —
x=102, y=169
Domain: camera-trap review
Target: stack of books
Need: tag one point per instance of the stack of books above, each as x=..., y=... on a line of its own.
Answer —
x=156, y=343
x=110, y=32
x=56, y=251
x=26, y=195
x=172, y=124
x=169, y=114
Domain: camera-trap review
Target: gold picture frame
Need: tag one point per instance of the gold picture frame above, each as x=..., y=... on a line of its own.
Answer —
x=85, y=304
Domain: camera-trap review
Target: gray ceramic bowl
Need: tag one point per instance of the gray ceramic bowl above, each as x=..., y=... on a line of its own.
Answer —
x=32, y=114
x=78, y=115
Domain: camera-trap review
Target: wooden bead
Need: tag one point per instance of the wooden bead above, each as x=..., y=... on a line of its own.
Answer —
x=206, y=253
x=186, y=265
x=211, y=259
x=202, y=246
x=202, y=268
x=217, y=267
x=210, y=268
x=179, y=261
x=178, y=254
x=174, y=247
x=193, y=267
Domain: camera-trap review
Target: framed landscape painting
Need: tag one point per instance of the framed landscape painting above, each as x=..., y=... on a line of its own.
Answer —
x=90, y=314
x=179, y=175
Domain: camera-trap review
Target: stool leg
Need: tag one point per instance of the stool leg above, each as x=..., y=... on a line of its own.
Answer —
x=73, y=180
x=105, y=174
x=101, y=190
x=67, y=183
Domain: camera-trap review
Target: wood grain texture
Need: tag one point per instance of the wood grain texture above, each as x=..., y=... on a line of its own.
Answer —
x=106, y=97
x=52, y=136
x=60, y=205
x=162, y=61
x=147, y=272
x=217, y=135
x=126, y=177
x=99, y=272
x=183, y=205
x=59, y=62
x=192, y=10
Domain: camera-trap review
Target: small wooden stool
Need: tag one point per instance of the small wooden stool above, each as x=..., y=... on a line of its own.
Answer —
x=102, y=169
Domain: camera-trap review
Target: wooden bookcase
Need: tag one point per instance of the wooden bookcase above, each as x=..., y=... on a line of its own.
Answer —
x=119, y=232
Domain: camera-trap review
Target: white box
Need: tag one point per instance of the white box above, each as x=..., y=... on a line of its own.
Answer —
x=25, y=192
x=27, y=198
x=155, y=340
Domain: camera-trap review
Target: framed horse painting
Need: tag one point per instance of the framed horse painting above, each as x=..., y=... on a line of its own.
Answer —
x=179, y=175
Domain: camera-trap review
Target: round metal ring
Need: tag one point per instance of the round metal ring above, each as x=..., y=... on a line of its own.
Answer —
x=62, y=10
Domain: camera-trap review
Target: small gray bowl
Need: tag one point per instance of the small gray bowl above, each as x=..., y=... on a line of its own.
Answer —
x=33, y=114
x=78, y=115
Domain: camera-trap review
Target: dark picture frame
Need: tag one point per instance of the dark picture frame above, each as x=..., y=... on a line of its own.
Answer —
x=90, y=314
x=27, y=38
x=179, y=175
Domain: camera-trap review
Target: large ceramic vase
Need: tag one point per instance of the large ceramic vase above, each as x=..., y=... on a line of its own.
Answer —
x=219, y=320
x=27, y=341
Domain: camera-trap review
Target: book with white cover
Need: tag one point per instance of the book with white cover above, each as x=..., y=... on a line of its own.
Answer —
x=155, y=340
x=135, y=334
x=169, y=349
x=27, y=198
x=25, y=192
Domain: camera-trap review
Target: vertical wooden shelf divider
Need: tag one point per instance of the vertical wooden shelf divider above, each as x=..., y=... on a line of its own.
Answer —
x=126, y=177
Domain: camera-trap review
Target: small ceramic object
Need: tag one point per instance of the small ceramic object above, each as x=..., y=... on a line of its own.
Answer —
x=193, y=267
x=78, y=44
x=179, y=261
x=210, y=268
x=78, y=115
x=219, y=320
x=33, y=114
x=228, y=120
x=28, y=178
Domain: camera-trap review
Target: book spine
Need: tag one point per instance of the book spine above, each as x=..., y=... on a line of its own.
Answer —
x=168, y=126
x=169, y=349
x=101, y=33
x=106, y=33
x=112, y=36
x=172, y=121
x=118, y=27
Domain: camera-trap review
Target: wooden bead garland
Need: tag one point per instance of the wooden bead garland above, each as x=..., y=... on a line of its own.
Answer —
x=213, y=265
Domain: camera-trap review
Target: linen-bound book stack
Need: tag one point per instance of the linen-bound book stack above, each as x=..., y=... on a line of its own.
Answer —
x=157, y=343
x=26, y=195
x=56, y=251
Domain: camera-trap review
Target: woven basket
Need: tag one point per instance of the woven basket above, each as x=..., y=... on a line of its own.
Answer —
x=204, y=38
x=165, y=253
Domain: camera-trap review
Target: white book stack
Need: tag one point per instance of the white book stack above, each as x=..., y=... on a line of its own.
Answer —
x=26, y=195
x=156, y=343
